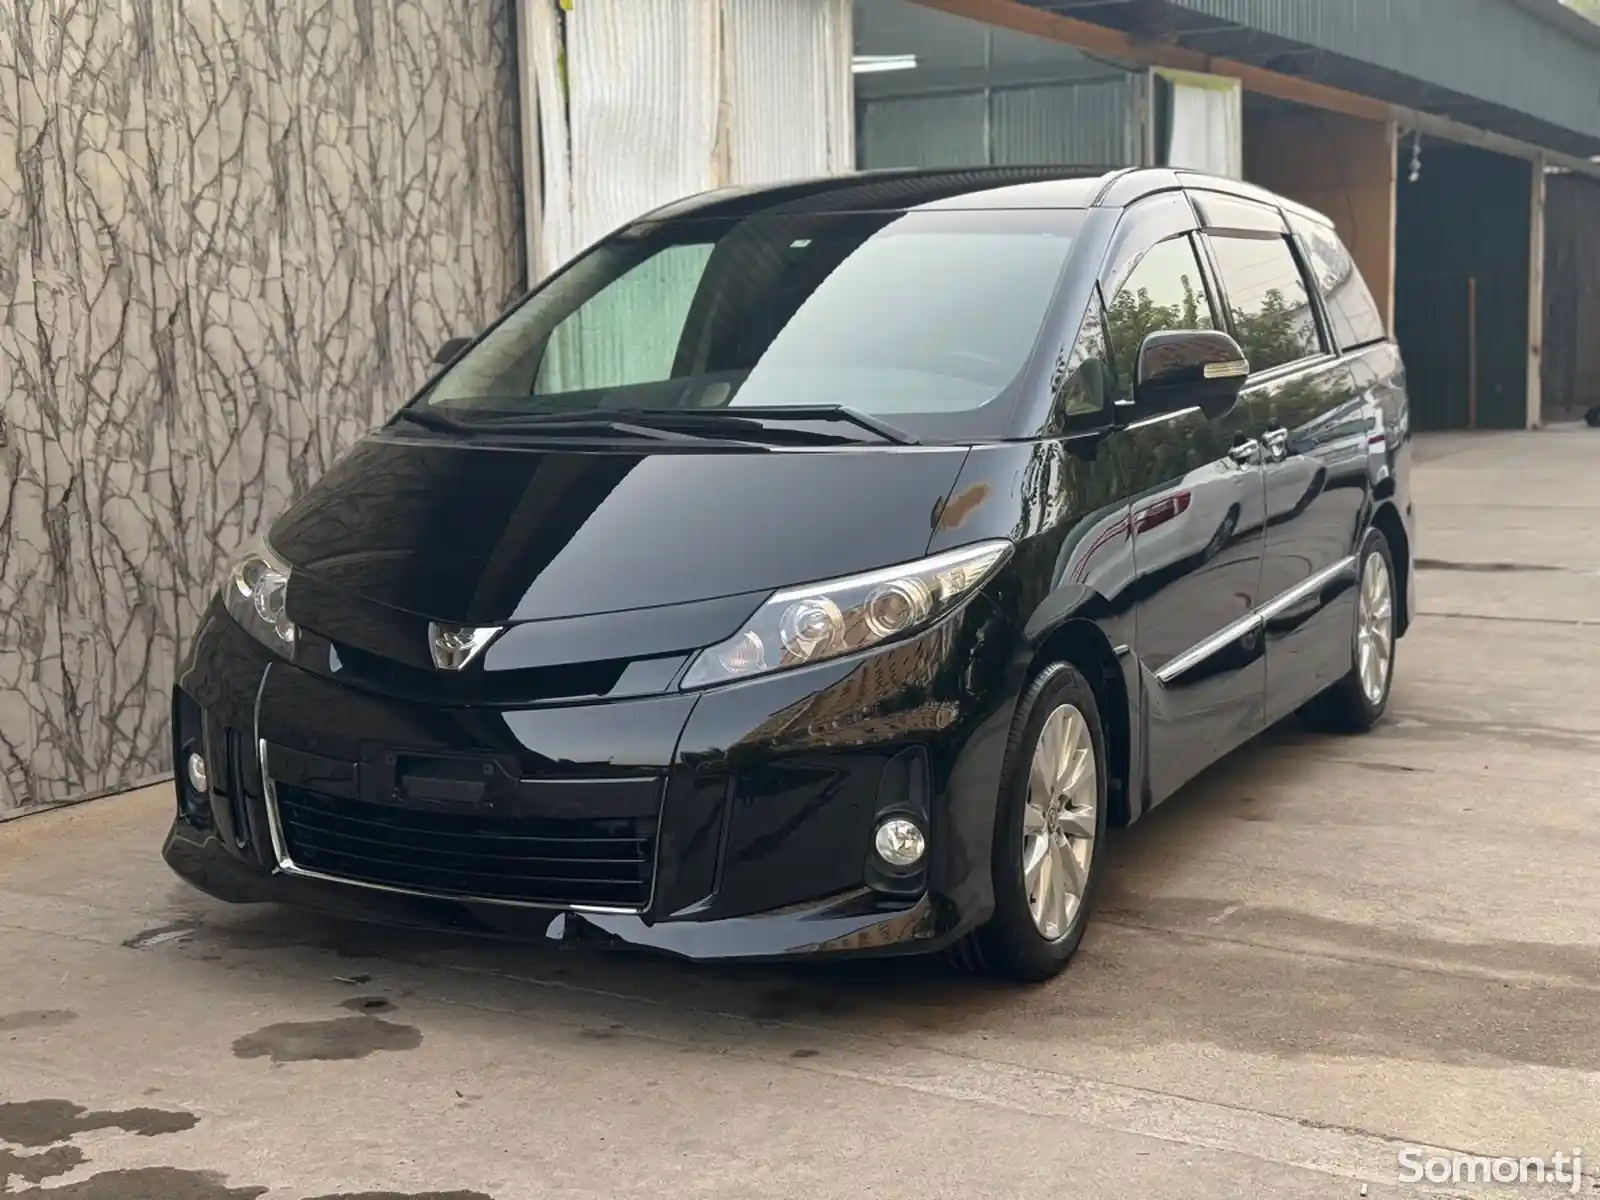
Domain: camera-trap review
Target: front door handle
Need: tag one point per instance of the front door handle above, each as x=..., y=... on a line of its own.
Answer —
x=1246, y=453
x=1275, y=444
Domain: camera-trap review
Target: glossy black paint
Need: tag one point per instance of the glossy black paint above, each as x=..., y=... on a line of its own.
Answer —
x=1167, y=553
x=481, y=532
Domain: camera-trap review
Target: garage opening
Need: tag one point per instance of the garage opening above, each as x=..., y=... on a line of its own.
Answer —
x=1462, y=252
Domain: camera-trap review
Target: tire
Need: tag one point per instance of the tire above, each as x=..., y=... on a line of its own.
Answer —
x=1014, y=944
x=1351, y=706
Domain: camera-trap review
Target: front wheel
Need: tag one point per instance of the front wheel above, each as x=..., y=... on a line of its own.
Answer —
x=1357, y=702
x=1049, y=832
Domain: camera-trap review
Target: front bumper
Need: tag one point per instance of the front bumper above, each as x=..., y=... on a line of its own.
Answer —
x=756, y=801
x=849, y=926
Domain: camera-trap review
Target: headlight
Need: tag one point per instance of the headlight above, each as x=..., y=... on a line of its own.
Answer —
x=256, y=594
x=803, y=625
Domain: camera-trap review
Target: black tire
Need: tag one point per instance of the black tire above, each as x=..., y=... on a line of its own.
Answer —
x=1345, y=706
x=1010, y=945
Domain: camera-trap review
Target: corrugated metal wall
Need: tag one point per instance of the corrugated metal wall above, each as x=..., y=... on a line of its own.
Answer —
x=1570, y=371
x=922, y=131
x=1492, y=49
x=981, y=94
x=1088, y=123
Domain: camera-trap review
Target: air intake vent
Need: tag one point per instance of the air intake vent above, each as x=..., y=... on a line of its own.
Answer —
x=520, y=860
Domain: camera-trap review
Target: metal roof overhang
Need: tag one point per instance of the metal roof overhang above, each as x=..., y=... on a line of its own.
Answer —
x=1174, y=24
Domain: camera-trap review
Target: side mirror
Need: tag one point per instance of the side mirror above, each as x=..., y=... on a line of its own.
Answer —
x=451, y=350
x=1189, y=368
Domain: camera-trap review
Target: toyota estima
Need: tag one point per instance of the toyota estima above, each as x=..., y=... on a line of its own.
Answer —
x=819, y=569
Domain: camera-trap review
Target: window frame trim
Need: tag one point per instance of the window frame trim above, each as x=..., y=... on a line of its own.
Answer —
x=1327, y=343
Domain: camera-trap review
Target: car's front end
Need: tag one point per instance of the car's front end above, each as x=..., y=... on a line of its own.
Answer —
x=736, y=772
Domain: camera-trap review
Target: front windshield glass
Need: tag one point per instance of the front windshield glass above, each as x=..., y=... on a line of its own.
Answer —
x=923, y=320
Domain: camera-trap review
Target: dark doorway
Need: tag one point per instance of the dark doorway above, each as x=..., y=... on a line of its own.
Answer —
x=1461, y=284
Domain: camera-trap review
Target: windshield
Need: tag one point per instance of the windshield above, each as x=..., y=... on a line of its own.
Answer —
x=925, y=320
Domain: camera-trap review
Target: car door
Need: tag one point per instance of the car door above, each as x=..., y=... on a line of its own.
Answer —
x=1195, y=522
x=1312, y=424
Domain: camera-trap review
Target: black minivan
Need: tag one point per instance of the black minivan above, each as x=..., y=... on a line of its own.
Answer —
x=819, y=569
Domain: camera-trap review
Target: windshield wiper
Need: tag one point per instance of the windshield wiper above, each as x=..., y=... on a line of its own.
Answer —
x=589, y=422
x=636, y=423
x=817, y=412
x=751, y=421
x=667, y=424
x=424, y=416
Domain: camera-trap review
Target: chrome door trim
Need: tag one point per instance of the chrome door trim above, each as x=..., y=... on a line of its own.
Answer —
x=1286, y=600
x=1255, y=620
x=1214, y=644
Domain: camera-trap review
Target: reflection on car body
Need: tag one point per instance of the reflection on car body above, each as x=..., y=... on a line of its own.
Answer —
x=818, y=569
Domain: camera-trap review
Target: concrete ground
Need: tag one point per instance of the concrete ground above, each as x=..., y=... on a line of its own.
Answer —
x=1324, y=950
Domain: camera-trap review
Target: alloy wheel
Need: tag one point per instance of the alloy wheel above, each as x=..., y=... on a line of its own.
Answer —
x=1375, y=627
x=1059, y=820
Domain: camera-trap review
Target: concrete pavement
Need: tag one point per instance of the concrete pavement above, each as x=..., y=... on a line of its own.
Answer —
x=1322, y=951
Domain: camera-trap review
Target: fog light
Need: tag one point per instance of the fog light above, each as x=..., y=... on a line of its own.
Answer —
x=899, y=842
x=199, y=779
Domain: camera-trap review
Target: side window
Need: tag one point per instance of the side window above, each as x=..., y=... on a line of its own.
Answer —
x=1164, y=291
x=1272, y=313
x=1351, y=310
x=1082, y=380
x=651, y=302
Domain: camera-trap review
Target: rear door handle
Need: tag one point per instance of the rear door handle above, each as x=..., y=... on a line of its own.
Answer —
x=1246, y=453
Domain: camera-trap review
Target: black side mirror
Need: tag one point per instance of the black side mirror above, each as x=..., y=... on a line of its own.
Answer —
x=451, y=350
x=1189, y=368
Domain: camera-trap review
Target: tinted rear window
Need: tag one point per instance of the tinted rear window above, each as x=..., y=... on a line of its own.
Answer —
x=926, y=319
x=1351, y=310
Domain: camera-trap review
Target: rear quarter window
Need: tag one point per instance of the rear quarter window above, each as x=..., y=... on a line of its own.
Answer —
x=1351, y=310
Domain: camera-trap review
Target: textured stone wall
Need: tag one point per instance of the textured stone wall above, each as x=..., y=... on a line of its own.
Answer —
x=231, y=236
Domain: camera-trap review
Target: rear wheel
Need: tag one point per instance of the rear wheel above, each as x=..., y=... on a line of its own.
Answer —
x=1357, y=702
x=1049, y=828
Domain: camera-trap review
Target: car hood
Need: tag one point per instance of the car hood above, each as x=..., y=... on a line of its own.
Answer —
x=480, y=534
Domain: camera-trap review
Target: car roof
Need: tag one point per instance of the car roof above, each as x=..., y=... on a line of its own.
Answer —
x=947, y=189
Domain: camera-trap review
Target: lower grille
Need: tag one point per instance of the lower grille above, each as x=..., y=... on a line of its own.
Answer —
x=516, y=859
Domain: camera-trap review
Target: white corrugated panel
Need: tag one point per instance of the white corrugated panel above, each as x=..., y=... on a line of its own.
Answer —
x=664, y=98
x=790, y=100
x=642, y=105
x=547, y=161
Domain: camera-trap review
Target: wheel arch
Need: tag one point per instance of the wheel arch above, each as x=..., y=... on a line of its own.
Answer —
x=1084, y=644
x=1386, y=519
